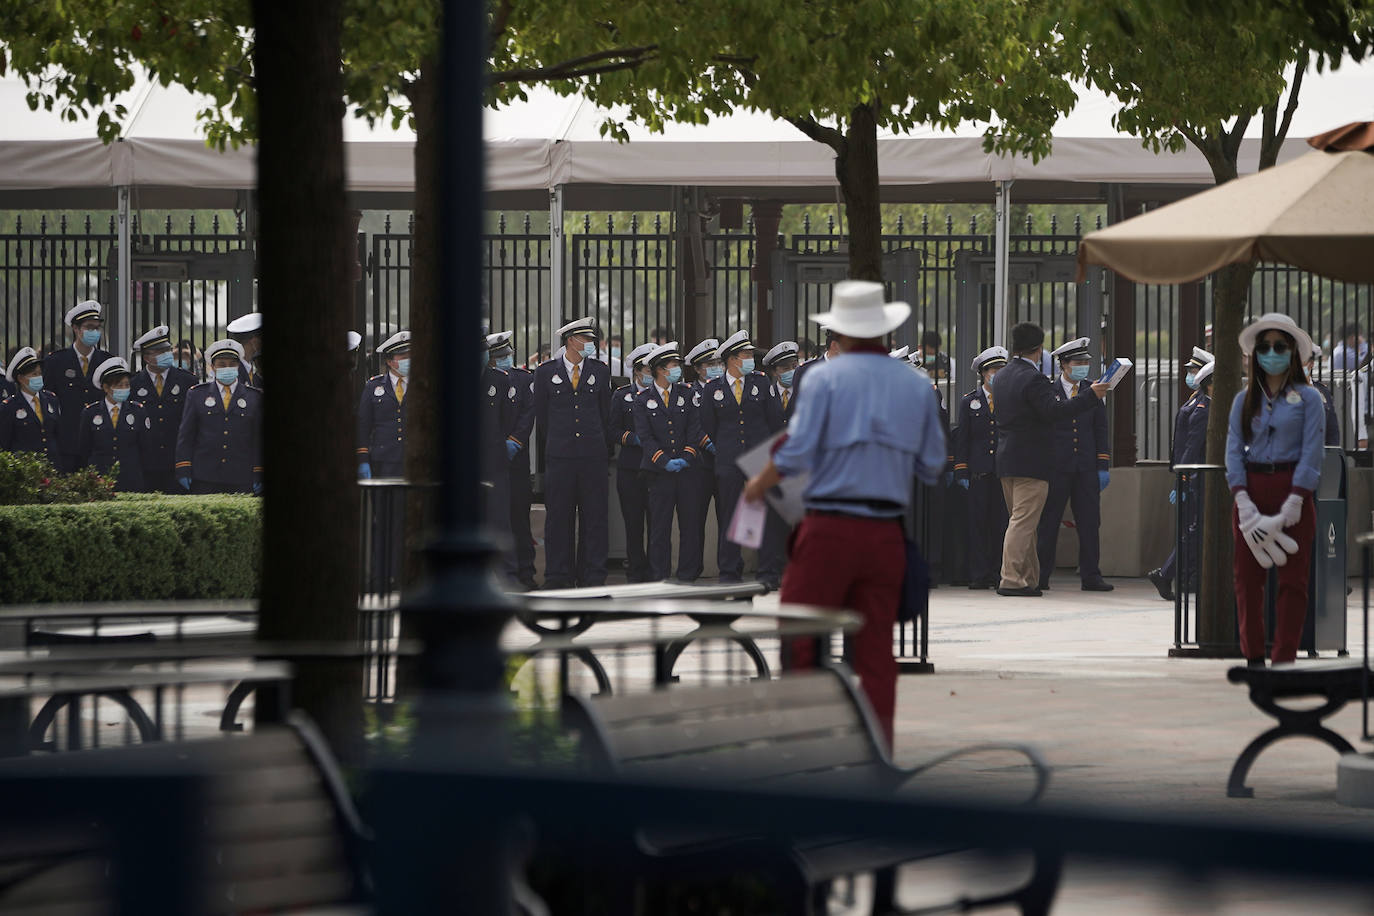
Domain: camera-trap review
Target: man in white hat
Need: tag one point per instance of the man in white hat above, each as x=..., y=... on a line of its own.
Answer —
x=500, y=441
x=162, y=389
x=219, y=446
x=975, y=470
x=501, y=355
x=68, y=373
x=780, y=363
x=572, y=405
x=632, y=490
x=112, y=428
x=247, y=330
x=381, y=426
x=29, y=419
x=867, y=426
x=1082, y=456
x=700, y=478
x=1027, y=411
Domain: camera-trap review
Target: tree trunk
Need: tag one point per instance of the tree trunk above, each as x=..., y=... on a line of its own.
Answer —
x=305, y=259
x=856, y=167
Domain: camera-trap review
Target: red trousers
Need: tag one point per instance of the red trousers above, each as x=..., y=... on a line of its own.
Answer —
x=858, y=565
x=1268, y=491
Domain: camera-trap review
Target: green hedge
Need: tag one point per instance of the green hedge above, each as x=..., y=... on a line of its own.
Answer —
x=140, y=546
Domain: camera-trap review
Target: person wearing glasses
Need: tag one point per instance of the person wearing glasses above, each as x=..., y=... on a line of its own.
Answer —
x=1273, y=464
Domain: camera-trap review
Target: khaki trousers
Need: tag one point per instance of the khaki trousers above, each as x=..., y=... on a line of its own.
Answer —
x=1025, y=498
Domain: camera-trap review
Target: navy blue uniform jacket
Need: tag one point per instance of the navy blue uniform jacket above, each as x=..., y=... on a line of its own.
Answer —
x=1080, y=442
x=666, y=430
x=20, y=430
x=1333, y=424
x=158, y=445
x=1027, y=411
x=576, y=424
x=382, y=427
x=63, y=377
x=500, y=409
x=975, y=438
x=623, y=428
x=217, y=445
x=1190, y=431
x=101, y=443
x=736, y=428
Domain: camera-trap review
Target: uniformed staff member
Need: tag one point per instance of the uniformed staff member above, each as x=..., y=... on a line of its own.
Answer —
x=219, y=445
x=162, y=389
x=781, y=365
x=1190, y=447
x=1333, y=423
x=381, y=438
x=700, y=477
x=1273, y=464
x=68, y=373
x=247, y=330
x=500, y=413
x=866, y=428
x=668, y=430
x=112, y=428
x=739, y=410
x=520, y=561
x=631, y=483
x=572, y=404
x=832, y=349
x=29, y=420
x=1027, y=410
x=1082, y=457
x=7, y=389
x=975, y=469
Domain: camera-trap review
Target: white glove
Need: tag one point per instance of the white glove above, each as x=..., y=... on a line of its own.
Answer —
x=1264, y=542
x=1246, y=513
x=1291, y=512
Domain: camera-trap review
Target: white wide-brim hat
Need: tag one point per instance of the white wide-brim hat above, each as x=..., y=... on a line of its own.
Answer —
x=857, y=309
x=1273, y=321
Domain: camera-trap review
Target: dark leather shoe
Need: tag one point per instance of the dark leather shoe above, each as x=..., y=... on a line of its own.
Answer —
x=1097, y=585
x=1043, y=586
x=1019, y=592
x=979, y=585
x=1161, y=584
x=1254, y=663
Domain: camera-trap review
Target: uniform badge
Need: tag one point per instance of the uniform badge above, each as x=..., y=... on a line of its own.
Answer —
x=557, y=379
x=975, y=405
x=510, y=392
x=772, y=392
x=143, y=392
x=754, y=391
x=696, y=399
x=629, y=398
x=131, y=420
x=1293, y=398
x=20, y=414
x=379, y=391
x=652, y=405
x=97, y=420
x=243, y=403
x=531, y=387
x=209, y=402
x=680, y=401
x=71, y=373
x=176, y=389
x=147, y=422
x=591, y=380
x=720, y=395
x=491, y=392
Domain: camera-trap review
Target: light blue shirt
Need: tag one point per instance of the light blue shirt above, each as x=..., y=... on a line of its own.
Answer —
x=867, y=426
x=1280, y=431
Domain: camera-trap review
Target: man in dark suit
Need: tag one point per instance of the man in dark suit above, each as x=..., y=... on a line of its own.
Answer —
x=1026, y=414
x=1082, y=458
x=68, y=373
x=975, y=470
x=381, y=421
x=162, y=389
x=501, y=355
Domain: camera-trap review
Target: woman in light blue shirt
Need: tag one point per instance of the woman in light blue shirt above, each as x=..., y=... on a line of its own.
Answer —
x=1273, y=463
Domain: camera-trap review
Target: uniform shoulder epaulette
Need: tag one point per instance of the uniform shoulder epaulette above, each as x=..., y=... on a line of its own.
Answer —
x=377, y=378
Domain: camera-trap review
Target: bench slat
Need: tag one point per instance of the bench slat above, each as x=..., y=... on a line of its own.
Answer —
x=792, y=691
x=720, y=727
x=278, y=820
x=284, y=893
x=266, y=784
x=762, y=760
x=272, y=858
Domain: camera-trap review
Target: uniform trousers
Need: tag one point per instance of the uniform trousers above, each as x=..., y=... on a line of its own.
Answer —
x=576, y=537
x=1024, y=498
x=1191, y=494
x=633, y=490
x=841, y=561
x=729, y=485
x=701, y=485
x=520, y=564
x=1079, y=489
x=1268, y=491
x=203, y=487
x=987, y=527
x=161, y=481
x=668, y=494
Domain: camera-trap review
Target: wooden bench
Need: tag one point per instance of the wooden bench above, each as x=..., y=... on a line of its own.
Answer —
x=1337, y=682
x=280, y=832
x=812, y=730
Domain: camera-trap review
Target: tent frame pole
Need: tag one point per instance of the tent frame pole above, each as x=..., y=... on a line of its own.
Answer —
x=555, y=266
x=122, y=339
x=1002, y=254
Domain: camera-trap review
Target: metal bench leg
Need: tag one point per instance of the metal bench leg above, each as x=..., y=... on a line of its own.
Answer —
x=227, y=719
x=1235, y=784
x=147, y=730
x=603, y=680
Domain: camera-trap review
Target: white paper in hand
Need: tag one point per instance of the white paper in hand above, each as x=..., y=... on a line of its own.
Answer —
x=746, y=526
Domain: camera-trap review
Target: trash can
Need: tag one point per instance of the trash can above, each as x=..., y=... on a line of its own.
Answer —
x=1324, y=628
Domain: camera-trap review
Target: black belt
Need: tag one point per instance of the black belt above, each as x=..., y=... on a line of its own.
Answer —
x=1270, y=468
x=877, y=505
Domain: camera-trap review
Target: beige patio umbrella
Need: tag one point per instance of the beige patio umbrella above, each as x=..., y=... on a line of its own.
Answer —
x=1315, y=212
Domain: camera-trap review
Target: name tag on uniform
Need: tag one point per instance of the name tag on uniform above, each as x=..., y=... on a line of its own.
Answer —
x=1293, y=397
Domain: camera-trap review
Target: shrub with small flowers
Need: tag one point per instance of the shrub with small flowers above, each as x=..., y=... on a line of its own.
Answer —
x=27, y=478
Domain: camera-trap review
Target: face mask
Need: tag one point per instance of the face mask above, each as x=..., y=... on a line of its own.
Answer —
x=746, y=366
x=588, y=350
x=503, y=363
x=164, y=360
x=786, y=378
x=1274, y=363
x=615, y=353
x=987, y=383
x=640, y=382
x=90, y=338
x=928, y=358
x=119, y=395
x=183, y=365
x=714, y=371
x=1078, y=373
x=227, y=375
x=36, y=384
x=1190, y=380
x=674, y=375
x=403, y=367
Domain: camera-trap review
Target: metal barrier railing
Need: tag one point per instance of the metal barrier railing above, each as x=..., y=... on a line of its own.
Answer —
x=1193, y=484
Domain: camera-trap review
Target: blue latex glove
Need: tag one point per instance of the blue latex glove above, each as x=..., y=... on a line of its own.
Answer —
x=1103, y=478
x=676, y=464
x=364, y=471
x=512, y=449
x=1173, y=497
x=963, y=482
x=949, y=478
x=257, y=489
x=185, y=482
x=710, y=446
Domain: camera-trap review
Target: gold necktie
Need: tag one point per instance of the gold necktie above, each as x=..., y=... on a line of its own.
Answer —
x=577, y=375
x=400, y=391
x=114, y=415
x=157, y=380
x=227, y=393
x=739, y=392
x=991, y=409
x=786, y=396
x=38, y=409
x=84, y=364
x=1074, y=392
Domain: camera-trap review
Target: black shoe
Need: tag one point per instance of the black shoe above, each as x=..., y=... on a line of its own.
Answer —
x=1043, y=586
x=1161, y=584
x=729, y=580
x=1097, y=585
x=1254, y=663
x=980, y=585
x=772, y=585
x=1018, y=592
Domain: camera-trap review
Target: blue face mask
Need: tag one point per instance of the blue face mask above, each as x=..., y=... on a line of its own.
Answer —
x=1274, y=363
x=589, y=350
x=786, y=378
x=183, y=365
x=714, y=371
x=119, y=395
x=227, y=375
x=674, y=375
x=90, y=338
x=640, y=381
x=36, y=384
x=1190, y=380
x=746, y=366
x=615, y=353
x=403, y=367
x=164, y=360
x=1078, y=373
x=503, y=363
